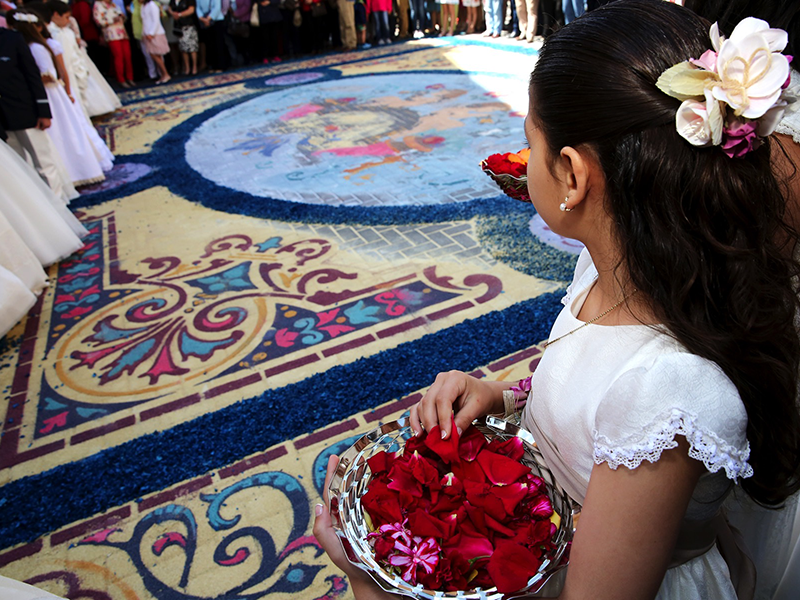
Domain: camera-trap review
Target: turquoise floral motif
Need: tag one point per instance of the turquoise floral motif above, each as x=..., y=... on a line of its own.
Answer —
x=235, y=279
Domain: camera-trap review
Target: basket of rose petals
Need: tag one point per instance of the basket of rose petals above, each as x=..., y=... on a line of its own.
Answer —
x=476, y=516
x=510, y=172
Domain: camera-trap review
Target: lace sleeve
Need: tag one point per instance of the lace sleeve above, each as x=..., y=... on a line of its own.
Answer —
x=790, y=123
x=679, y=394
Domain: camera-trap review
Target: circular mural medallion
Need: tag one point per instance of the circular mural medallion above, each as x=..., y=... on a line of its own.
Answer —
x=378, y=140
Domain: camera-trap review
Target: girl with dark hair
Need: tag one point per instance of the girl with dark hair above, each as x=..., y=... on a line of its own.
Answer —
x=667, y=393
x=78, y=143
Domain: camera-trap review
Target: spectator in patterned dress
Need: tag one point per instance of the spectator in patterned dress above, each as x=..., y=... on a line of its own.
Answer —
x=183, y=12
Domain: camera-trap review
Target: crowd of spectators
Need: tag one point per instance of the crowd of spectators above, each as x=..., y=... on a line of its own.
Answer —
x=135, y=41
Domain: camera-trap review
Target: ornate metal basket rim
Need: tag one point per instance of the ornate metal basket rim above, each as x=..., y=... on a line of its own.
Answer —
x=520, y=180
x=353, y=471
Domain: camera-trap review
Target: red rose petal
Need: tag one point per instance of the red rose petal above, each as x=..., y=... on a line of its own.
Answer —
x=451, y=484
x=477, y=517
x=447, y=449
x=469, y=471
x=471, y=442
x=535, y=533
x=541, y=508
x=446, y=505
x=511, y=495
x=500, y=469
x=512, y=448
x=468, y=546
x=403, y=480
x=511, y=566
x=424, y=471
x=382, y=504
x=498, y=526
x=425, y=525
x=481, y=495
x=381, y=462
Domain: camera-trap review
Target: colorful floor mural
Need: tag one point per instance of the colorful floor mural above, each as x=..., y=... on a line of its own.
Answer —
x=282, y=258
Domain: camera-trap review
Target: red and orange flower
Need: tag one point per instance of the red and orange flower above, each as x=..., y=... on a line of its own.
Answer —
x=509, y=171
x=459, y=513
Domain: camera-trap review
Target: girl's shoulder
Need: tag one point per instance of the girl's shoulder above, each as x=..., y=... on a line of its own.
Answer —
x=665, y=392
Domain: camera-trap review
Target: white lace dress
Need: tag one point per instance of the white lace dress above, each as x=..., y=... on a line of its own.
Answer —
x=620, y=395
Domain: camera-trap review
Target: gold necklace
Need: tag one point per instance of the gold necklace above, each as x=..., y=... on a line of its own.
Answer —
x=597, y=318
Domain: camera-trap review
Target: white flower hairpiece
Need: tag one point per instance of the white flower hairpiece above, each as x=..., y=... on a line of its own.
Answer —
x=733, y=95
x=26, y=17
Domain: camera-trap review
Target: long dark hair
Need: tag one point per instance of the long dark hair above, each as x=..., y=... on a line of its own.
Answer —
x=702, y=235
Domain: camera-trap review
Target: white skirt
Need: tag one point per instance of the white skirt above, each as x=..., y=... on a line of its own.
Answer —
x=99, y=97
x=80, y=147
x=15, y=300
x=33, y=214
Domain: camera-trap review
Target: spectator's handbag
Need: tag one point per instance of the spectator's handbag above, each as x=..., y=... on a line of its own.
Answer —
x=254, y=22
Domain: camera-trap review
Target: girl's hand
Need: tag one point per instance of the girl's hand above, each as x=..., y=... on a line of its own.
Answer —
x=48, y=78
x=469, y=397
x=364, y=588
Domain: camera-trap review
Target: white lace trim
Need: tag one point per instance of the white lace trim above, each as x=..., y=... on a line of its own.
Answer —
x=704, y=446
x=567, y=296
x=790, y=124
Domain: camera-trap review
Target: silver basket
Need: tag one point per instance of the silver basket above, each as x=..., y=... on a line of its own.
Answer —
x=351, y=481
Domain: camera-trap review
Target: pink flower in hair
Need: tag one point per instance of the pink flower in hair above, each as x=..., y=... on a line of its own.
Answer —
x=707, y=61
x=739, y=138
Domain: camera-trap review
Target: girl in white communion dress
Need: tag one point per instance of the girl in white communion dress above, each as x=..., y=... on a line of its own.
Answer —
x=85, y=155
x=667, y=391
x=97, y=97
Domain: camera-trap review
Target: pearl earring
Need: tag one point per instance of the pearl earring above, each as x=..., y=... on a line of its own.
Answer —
x=563, y=205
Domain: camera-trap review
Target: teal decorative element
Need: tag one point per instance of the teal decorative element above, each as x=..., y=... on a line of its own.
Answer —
x=88, y=413
x=280, y=481
x=273, y=242
x=50, y=404
x=235, y=279
x=361, y=313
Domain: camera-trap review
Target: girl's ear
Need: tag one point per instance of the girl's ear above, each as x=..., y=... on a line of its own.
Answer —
x=575, y=171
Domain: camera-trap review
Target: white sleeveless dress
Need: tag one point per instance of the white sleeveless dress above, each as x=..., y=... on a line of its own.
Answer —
x=619, y=395
x=84, y=158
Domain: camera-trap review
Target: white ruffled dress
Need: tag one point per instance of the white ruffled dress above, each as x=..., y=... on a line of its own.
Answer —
x=619, y=395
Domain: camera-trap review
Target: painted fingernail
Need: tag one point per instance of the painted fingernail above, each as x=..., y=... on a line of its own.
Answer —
x=444, y=434
x=459, y=430
x=318, y=509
